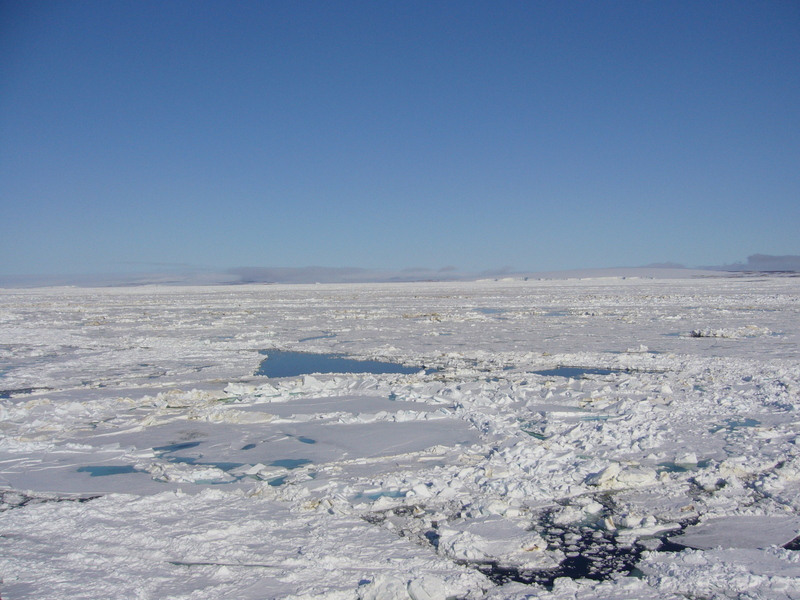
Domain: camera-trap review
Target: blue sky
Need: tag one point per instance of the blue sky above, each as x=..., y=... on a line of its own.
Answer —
x=481, y=135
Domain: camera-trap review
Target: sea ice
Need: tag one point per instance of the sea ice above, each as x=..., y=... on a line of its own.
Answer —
x=141, y=453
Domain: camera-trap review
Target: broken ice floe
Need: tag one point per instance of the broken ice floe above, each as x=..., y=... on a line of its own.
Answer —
x=741, y=531
x=741, y=332
x=497, y=540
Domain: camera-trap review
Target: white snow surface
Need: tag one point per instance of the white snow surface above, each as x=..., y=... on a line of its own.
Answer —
x=141, y=457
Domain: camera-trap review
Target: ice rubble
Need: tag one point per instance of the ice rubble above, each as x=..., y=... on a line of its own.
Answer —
x=481, y=479
x=741, y=332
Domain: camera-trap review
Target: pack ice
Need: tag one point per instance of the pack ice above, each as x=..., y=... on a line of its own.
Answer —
x=614, y=438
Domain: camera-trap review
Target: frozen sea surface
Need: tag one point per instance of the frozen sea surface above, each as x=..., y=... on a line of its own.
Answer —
x=607, y=438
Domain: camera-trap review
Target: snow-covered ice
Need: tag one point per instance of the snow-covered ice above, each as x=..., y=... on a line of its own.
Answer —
x=590, y=438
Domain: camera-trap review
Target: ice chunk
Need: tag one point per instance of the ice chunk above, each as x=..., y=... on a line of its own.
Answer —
x=427, y=588
x=232, y=415
x=384, y=587
x=183, y=473
x=617, y=477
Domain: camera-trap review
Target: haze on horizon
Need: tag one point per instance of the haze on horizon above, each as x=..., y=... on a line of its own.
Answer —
x=459, y=137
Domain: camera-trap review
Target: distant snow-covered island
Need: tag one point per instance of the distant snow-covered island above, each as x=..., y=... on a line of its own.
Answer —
x=756, y=264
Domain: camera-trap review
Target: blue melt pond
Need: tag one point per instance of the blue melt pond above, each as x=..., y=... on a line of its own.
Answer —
x=281, y=363
x=290, y=463
x=574, y=372
x=104, y=470
x=176, y=447
x=731, y=424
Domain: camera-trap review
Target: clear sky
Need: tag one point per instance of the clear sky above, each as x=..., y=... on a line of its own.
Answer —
x=534, y=135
